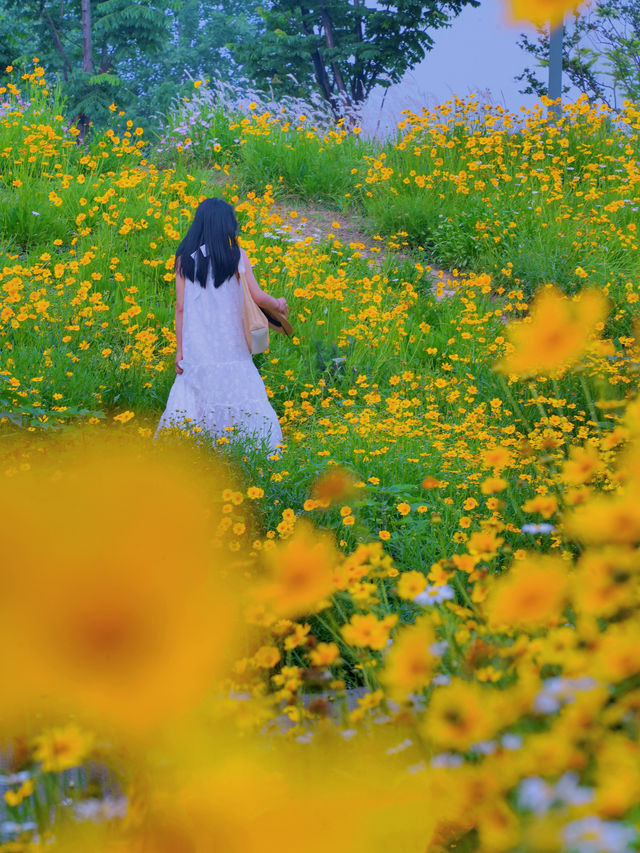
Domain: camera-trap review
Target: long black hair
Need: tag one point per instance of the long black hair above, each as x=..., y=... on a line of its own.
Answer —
x=216, y=227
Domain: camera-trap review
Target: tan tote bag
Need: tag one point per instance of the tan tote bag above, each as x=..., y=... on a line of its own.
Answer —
x=256, y=325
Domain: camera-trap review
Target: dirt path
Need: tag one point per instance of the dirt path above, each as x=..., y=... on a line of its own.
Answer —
x=305, y=219
x=301, y=218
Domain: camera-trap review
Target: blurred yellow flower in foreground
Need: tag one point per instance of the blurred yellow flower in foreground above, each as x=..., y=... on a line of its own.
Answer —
x=555, y=335
x=62, y=748
x=242, y=797
x=410, y=662
x=541, y=12
x=300, y=572
x=333, y=485
x=531, y=595
x=116, y=605
x=460, y=714
x=606, y=520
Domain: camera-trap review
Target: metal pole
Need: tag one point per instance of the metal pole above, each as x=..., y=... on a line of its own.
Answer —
x=555, y=68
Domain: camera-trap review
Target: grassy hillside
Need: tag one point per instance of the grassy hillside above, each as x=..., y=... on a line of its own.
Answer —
x=451, y=526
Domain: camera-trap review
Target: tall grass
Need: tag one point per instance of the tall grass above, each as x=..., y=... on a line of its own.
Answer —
x=521, y=197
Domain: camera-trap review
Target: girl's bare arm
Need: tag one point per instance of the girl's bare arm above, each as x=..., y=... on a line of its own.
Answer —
x=179, y=315
x=259, y=296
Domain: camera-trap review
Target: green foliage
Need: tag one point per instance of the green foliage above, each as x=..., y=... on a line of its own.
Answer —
x=344, y=47
x=600, y=53
x=145, y=52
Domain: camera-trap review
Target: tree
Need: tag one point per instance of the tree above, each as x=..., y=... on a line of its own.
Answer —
x=87, y=44
x=601, y=54
x=136, y=53
x=345, y=47
x=199, y=34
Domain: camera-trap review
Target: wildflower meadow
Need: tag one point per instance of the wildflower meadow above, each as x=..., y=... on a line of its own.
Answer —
x=415, y=626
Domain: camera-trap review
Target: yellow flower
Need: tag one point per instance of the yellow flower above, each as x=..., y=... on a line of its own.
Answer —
x=541, y=12
x=546, y=505
x=197, y=84
x=606, y=520
x=530, y=595
x=617, y=657
x=124, y=417
x=125, y=627
x=409, y=663
x=14, y=798
x=411, y=583
x=300, y=572
x=366, y=631
x=403, y=508
x=602, y=583
x=493, y=485
x=484, y=544
x=555, y=335
x=583, y=465
x=324, y=654
x=459, y=714
x=498, y=457
x=266, y=657
x=62, y=748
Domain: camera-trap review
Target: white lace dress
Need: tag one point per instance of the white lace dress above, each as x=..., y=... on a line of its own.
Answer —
x=220, y=390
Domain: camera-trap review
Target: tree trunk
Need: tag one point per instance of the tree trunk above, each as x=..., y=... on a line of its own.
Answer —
x=66, y=64
x=319, y=67
x=328, y=34
x=357, y=85
x=87, y=48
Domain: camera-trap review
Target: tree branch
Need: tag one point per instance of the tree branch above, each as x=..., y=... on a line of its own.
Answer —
x=328, y=34
x=321, y=75
x=67, y=68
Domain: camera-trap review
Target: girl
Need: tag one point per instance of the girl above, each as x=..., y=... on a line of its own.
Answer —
x=217, y=386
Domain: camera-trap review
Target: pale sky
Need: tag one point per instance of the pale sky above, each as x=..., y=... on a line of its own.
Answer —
x=478, y=53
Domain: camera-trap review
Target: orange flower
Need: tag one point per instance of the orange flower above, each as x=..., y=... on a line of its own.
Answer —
x=430, y=482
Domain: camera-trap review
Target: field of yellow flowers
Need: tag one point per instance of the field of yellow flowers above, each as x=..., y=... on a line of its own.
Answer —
x=413, y=628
